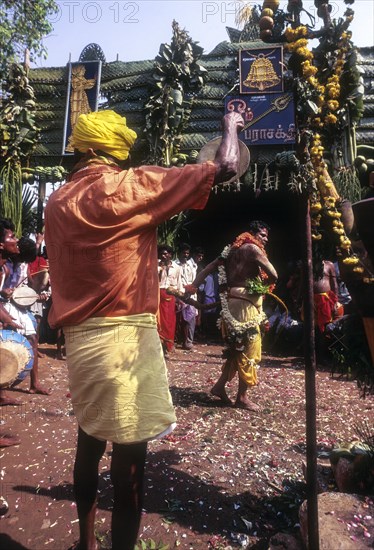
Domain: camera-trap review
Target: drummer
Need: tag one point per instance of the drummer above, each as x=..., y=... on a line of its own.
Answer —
x=8, y=245
x=16, y=275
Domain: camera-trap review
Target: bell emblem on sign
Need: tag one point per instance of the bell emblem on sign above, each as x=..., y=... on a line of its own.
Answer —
x=262, y=74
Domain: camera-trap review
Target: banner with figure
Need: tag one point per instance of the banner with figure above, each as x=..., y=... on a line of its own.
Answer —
x=82, y=96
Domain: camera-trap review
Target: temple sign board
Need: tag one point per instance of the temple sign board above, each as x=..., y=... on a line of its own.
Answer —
x=269, y=119
x=261, y=70
x=82, y=96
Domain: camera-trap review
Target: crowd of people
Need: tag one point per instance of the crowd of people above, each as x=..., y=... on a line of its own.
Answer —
x=110, y=278
x=22, y=267
x=183, y=319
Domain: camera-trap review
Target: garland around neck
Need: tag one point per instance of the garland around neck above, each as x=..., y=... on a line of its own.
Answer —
x=248, y=238
x=235, y=328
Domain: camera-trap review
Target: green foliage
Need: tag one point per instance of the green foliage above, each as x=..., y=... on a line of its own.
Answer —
x=178, y=76
x=18, y=131
x=29, y=214
x=169, y=231
x=23, y=25
x=18, y=137
x=11, y=194
x=348, y=185
x=256, y=286
x=44, y=174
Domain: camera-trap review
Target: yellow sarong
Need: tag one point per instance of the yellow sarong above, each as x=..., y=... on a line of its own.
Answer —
x=244, y=307
x=118, y=379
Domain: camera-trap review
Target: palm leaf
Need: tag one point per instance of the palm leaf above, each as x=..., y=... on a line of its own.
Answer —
x=29, y=211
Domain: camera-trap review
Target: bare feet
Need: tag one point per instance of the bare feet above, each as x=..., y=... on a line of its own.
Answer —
x=38, y=389
x=41, y=355
x=246, y=405
x=4, y=401
x=9, y=440
x=221, y=393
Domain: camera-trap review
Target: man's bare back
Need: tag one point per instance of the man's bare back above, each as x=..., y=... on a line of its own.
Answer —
x=245, y=263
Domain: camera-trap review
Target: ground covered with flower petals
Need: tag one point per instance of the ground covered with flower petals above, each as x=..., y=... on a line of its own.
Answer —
x=225, y=477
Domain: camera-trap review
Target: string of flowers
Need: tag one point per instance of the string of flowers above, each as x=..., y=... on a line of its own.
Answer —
x=327, y=101
x=329, y=197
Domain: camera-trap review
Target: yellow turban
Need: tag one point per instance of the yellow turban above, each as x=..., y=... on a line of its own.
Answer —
x=104, y=130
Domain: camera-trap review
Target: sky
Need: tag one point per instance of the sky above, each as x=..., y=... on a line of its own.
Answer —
x=134, y=30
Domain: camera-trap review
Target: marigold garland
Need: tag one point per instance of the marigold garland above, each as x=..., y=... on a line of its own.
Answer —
x=327, y=99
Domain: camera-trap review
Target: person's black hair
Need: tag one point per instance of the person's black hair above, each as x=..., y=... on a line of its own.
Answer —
x=184, y=246
x=257, y=225
x=198, y=250
x=5, y=225
x=27, y=250
x=166, y=247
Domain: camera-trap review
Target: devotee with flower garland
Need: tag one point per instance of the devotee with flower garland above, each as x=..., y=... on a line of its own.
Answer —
x=244, y=275
x=100, y=232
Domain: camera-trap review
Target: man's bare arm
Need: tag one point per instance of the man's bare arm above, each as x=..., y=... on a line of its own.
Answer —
x=264, y=263
x=333, y=278
x=202, y=275
x=7, y=320
x=228, y=155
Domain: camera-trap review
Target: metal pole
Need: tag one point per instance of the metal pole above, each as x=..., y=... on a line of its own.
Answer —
x=310, y=379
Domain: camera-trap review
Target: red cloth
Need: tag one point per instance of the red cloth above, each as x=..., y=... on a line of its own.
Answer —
x=166, y=319
x=324, y=308
x=39, y=264
x=101, y=236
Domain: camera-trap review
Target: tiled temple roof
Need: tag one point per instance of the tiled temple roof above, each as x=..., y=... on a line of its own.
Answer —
x=127, y=87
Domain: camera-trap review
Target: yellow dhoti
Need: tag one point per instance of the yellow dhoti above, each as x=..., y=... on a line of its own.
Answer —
x=245, y=361
x=118, y=379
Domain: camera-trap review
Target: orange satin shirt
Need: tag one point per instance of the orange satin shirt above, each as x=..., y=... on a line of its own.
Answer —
x=100, y=233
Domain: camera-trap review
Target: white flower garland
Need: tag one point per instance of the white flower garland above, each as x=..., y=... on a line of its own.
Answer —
x=234, y=327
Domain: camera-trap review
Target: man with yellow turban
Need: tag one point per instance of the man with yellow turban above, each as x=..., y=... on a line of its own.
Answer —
x=102, y=248
x=106, y=131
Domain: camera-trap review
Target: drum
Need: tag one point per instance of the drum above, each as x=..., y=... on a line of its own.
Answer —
x=16, y=358
x=24, y=296
x=208, y=152
x=39, y=280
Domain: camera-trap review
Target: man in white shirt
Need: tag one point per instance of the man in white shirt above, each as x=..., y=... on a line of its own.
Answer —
x=187, y=314
x=169, y=274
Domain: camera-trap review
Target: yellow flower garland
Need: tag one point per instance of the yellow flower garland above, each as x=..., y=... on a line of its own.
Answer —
x=328, y=104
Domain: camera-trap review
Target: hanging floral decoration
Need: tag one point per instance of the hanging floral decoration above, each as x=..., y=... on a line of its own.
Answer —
x=322, y=107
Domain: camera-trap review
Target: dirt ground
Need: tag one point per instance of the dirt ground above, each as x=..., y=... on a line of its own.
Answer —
x=224, y=478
